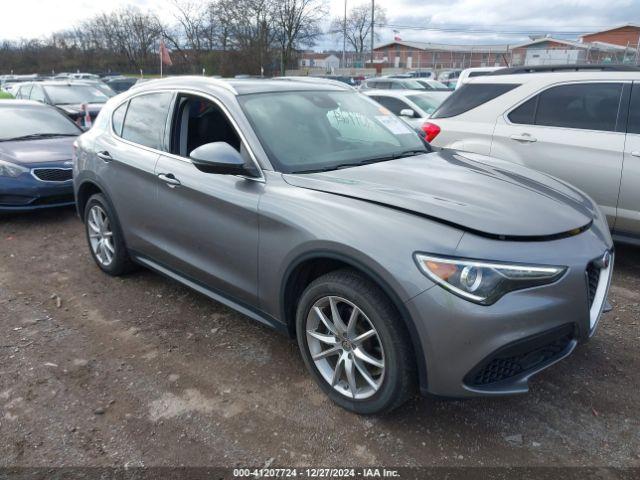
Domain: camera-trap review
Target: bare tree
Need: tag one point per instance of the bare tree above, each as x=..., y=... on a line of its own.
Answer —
x=298, y=23
x=358, y=28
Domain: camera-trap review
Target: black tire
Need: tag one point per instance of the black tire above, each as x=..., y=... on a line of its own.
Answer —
x=399, y=380
x=121, y=263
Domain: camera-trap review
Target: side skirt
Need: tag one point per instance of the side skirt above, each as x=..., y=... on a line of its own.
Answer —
x=214, y=295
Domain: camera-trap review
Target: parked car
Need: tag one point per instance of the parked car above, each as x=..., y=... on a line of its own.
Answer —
x=388, y=83
x=120, y=84
x=69, y=96
x=35, y=156
x=580, y=126
x=449, y=77
x=99, y=84
x=426, y=74
x=310, y=209
x=83, y=76
x=435, y=89
x=468, y=73
x=413, y=106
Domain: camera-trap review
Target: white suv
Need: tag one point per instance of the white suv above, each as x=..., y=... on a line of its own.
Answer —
x=580, y=126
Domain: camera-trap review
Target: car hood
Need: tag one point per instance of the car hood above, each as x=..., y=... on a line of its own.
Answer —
x=472, y=192
x=26, y=152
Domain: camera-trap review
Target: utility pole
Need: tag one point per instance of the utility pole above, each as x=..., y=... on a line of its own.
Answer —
x=344, y=37
x=373, y=9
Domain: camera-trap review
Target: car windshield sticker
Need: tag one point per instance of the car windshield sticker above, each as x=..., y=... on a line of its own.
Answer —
x=394, y=124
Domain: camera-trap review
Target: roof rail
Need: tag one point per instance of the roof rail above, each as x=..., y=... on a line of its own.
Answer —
x=566, y=68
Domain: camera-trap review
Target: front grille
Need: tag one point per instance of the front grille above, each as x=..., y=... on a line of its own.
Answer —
x=593, y=278
x=53, y=174
x=522, y=357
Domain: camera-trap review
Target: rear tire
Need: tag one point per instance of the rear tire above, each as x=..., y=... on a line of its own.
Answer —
x=104, y=236
x=378, y=351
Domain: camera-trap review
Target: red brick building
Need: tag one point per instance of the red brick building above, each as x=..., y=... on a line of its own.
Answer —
x=624, y=35
x=417, y=55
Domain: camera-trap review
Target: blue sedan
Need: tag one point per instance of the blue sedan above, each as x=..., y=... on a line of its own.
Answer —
x=36, y=147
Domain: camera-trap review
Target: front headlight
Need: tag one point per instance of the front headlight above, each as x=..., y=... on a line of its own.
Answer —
x=484, y=282
x=11, y=169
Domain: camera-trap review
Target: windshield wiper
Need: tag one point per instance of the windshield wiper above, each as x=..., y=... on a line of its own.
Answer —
x=368, y=161
x=39, y=135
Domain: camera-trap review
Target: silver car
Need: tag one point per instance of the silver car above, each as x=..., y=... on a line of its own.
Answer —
x=312, y=210
x=580, y=126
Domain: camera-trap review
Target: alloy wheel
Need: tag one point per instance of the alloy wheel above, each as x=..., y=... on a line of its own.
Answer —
x=345, y=347
x=100, y=235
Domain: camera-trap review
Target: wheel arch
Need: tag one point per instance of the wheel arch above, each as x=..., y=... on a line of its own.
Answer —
x=84, y=192
x=309, y=266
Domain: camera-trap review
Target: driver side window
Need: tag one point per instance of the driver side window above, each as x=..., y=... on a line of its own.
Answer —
x=198, y=121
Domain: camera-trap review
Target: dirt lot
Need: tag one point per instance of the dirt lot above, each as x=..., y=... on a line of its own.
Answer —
x=142, y=371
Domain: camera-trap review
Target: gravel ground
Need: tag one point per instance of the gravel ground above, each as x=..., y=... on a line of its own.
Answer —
x=101, y=371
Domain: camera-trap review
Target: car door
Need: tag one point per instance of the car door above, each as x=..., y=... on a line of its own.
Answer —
x=573, y=132
x=628, y=221
x=126, y=162
x=209, y=222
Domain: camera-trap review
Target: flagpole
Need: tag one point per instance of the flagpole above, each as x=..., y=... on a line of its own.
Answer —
x=160, y=55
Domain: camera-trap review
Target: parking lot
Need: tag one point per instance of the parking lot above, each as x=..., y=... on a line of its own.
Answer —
x=139, y=370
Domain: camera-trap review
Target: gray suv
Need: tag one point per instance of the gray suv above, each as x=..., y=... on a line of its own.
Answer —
x=313, y=210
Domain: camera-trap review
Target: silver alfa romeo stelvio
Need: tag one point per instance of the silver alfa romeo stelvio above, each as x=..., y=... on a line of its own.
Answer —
x=312, y=209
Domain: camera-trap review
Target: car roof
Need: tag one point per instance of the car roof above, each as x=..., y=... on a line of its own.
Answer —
x=63, y=82
x=240, y=86
x=11, y=103
x=550, y=77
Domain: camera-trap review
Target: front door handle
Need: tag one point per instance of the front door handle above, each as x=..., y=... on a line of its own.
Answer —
x=104, y=156
x=169, y=179
x=636, y=153
x=525, y=137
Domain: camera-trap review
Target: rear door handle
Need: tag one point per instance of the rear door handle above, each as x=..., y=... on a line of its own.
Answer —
x=636, y=153
x=169, y=179
x=525, y=137
x=104, y=156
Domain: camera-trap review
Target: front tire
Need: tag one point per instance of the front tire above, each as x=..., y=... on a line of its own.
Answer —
x=104, y=237
x=354, y=343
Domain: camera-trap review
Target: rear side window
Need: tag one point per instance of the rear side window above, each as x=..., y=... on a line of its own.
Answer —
x=117, y=119
x=590, y=106
x=634, y=110
x=146, y=119
x=470, y=96
x=525, y=113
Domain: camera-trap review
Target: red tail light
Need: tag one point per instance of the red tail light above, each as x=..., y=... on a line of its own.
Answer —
x=431, y=130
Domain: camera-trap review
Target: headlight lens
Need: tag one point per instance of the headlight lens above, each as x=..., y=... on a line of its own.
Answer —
x=11, y=169
x=484, y=282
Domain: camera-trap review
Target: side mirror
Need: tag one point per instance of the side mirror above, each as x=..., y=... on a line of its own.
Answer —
x=407, y=112
x=218, y=157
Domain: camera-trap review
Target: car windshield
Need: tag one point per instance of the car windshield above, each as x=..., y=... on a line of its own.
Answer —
x=72, y=94
x=435, y=85
x=17, y=123
x=412, y=85
x=425, y=102
x=324, y=130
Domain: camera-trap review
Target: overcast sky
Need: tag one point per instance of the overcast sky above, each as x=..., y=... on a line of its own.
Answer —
x=36, y=18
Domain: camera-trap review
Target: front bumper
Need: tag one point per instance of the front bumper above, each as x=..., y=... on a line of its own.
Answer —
x=474, y=350
x=25, y=193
